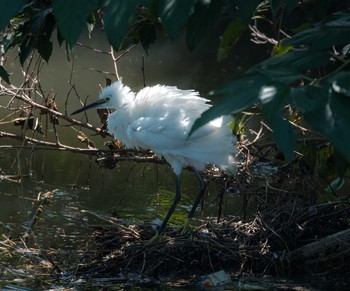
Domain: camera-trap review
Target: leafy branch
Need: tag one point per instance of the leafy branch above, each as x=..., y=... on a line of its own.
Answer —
x=304, y=70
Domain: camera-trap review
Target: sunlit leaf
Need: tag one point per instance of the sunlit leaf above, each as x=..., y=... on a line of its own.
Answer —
x=4, y=75
x=230, y=37
x=235, y=97
x=202, y=21
x=174, y=14
x=237, y=125
x=71, y=17
x=8, y=10
x=335, y=185
x=341, y=83
x=279, y=49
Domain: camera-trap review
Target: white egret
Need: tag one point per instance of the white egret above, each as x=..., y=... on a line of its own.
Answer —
x=159, y=118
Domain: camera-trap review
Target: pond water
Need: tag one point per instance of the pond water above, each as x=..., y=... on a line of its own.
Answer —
x=136, y=192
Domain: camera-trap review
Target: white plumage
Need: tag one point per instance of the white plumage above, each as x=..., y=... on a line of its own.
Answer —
x=160, y=118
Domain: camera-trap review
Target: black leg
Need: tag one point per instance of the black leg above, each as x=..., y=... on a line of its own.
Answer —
x=173, y=206
x=203, y=188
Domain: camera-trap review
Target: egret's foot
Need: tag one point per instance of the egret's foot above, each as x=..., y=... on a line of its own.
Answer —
x=186, y=227
x=153, y=239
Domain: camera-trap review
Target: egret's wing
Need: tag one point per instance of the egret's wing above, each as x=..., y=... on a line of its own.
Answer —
x=166, y=134
x=163, y=116
x=156, y=134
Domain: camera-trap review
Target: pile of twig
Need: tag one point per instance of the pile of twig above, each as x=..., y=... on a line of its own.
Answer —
x=119, y=248
x=273, y=244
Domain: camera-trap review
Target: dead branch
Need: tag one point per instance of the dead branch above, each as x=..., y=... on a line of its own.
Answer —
x=322, y=246
x=21, y=95
x=38, y=211
x=134, y=155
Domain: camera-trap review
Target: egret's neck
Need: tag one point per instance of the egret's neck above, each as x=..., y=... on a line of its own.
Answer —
x=128, y=98
x=123, y=101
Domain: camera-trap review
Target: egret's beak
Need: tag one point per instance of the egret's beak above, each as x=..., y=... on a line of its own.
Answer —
x=90, y=106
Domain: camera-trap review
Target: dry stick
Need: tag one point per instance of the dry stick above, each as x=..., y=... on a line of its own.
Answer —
x=143, y=71
x=116, y=59
x=99, y=71
x=28, y=100
x=209, y=257
x=260, y=38
x=54, y=146
x=299, y=140
x=114, y=63
x=72, y=87
x=258, y=135
x=20, y=94
x=93, y=49
x=45, y=198
x=309, y=251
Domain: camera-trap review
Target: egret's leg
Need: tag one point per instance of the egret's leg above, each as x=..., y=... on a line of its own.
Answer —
x=203, y=188
x=170, y=212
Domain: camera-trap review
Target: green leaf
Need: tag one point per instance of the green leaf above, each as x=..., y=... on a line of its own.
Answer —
x=245, y=92
x=230, y=37
x=342, y=165
x=42, y=25
x=335, y=185
x=9, y=9
x=332, y=32
x=274, y=99
x=45, y=48
x=26, y=48
x=289, y=4
x=288, y=67
x=148, y=34
x=38, y=22
x=174, y=14
x=60, y=38
x=246, y=9
x=327, y=112
x=341, y=83
x=118, y=15
x=4, y=75
x=279, y=49
x=236, y=97
x=202, y=21
x=71, y=17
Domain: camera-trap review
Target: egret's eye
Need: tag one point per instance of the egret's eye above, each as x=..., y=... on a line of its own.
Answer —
x=108, y=98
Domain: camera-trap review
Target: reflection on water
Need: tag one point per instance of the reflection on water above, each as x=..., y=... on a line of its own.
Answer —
x=135, y=192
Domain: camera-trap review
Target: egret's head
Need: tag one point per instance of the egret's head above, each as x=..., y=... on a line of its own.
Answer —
x=112, y=96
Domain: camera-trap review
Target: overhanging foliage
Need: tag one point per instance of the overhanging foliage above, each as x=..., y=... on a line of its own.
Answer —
x=291, y=77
